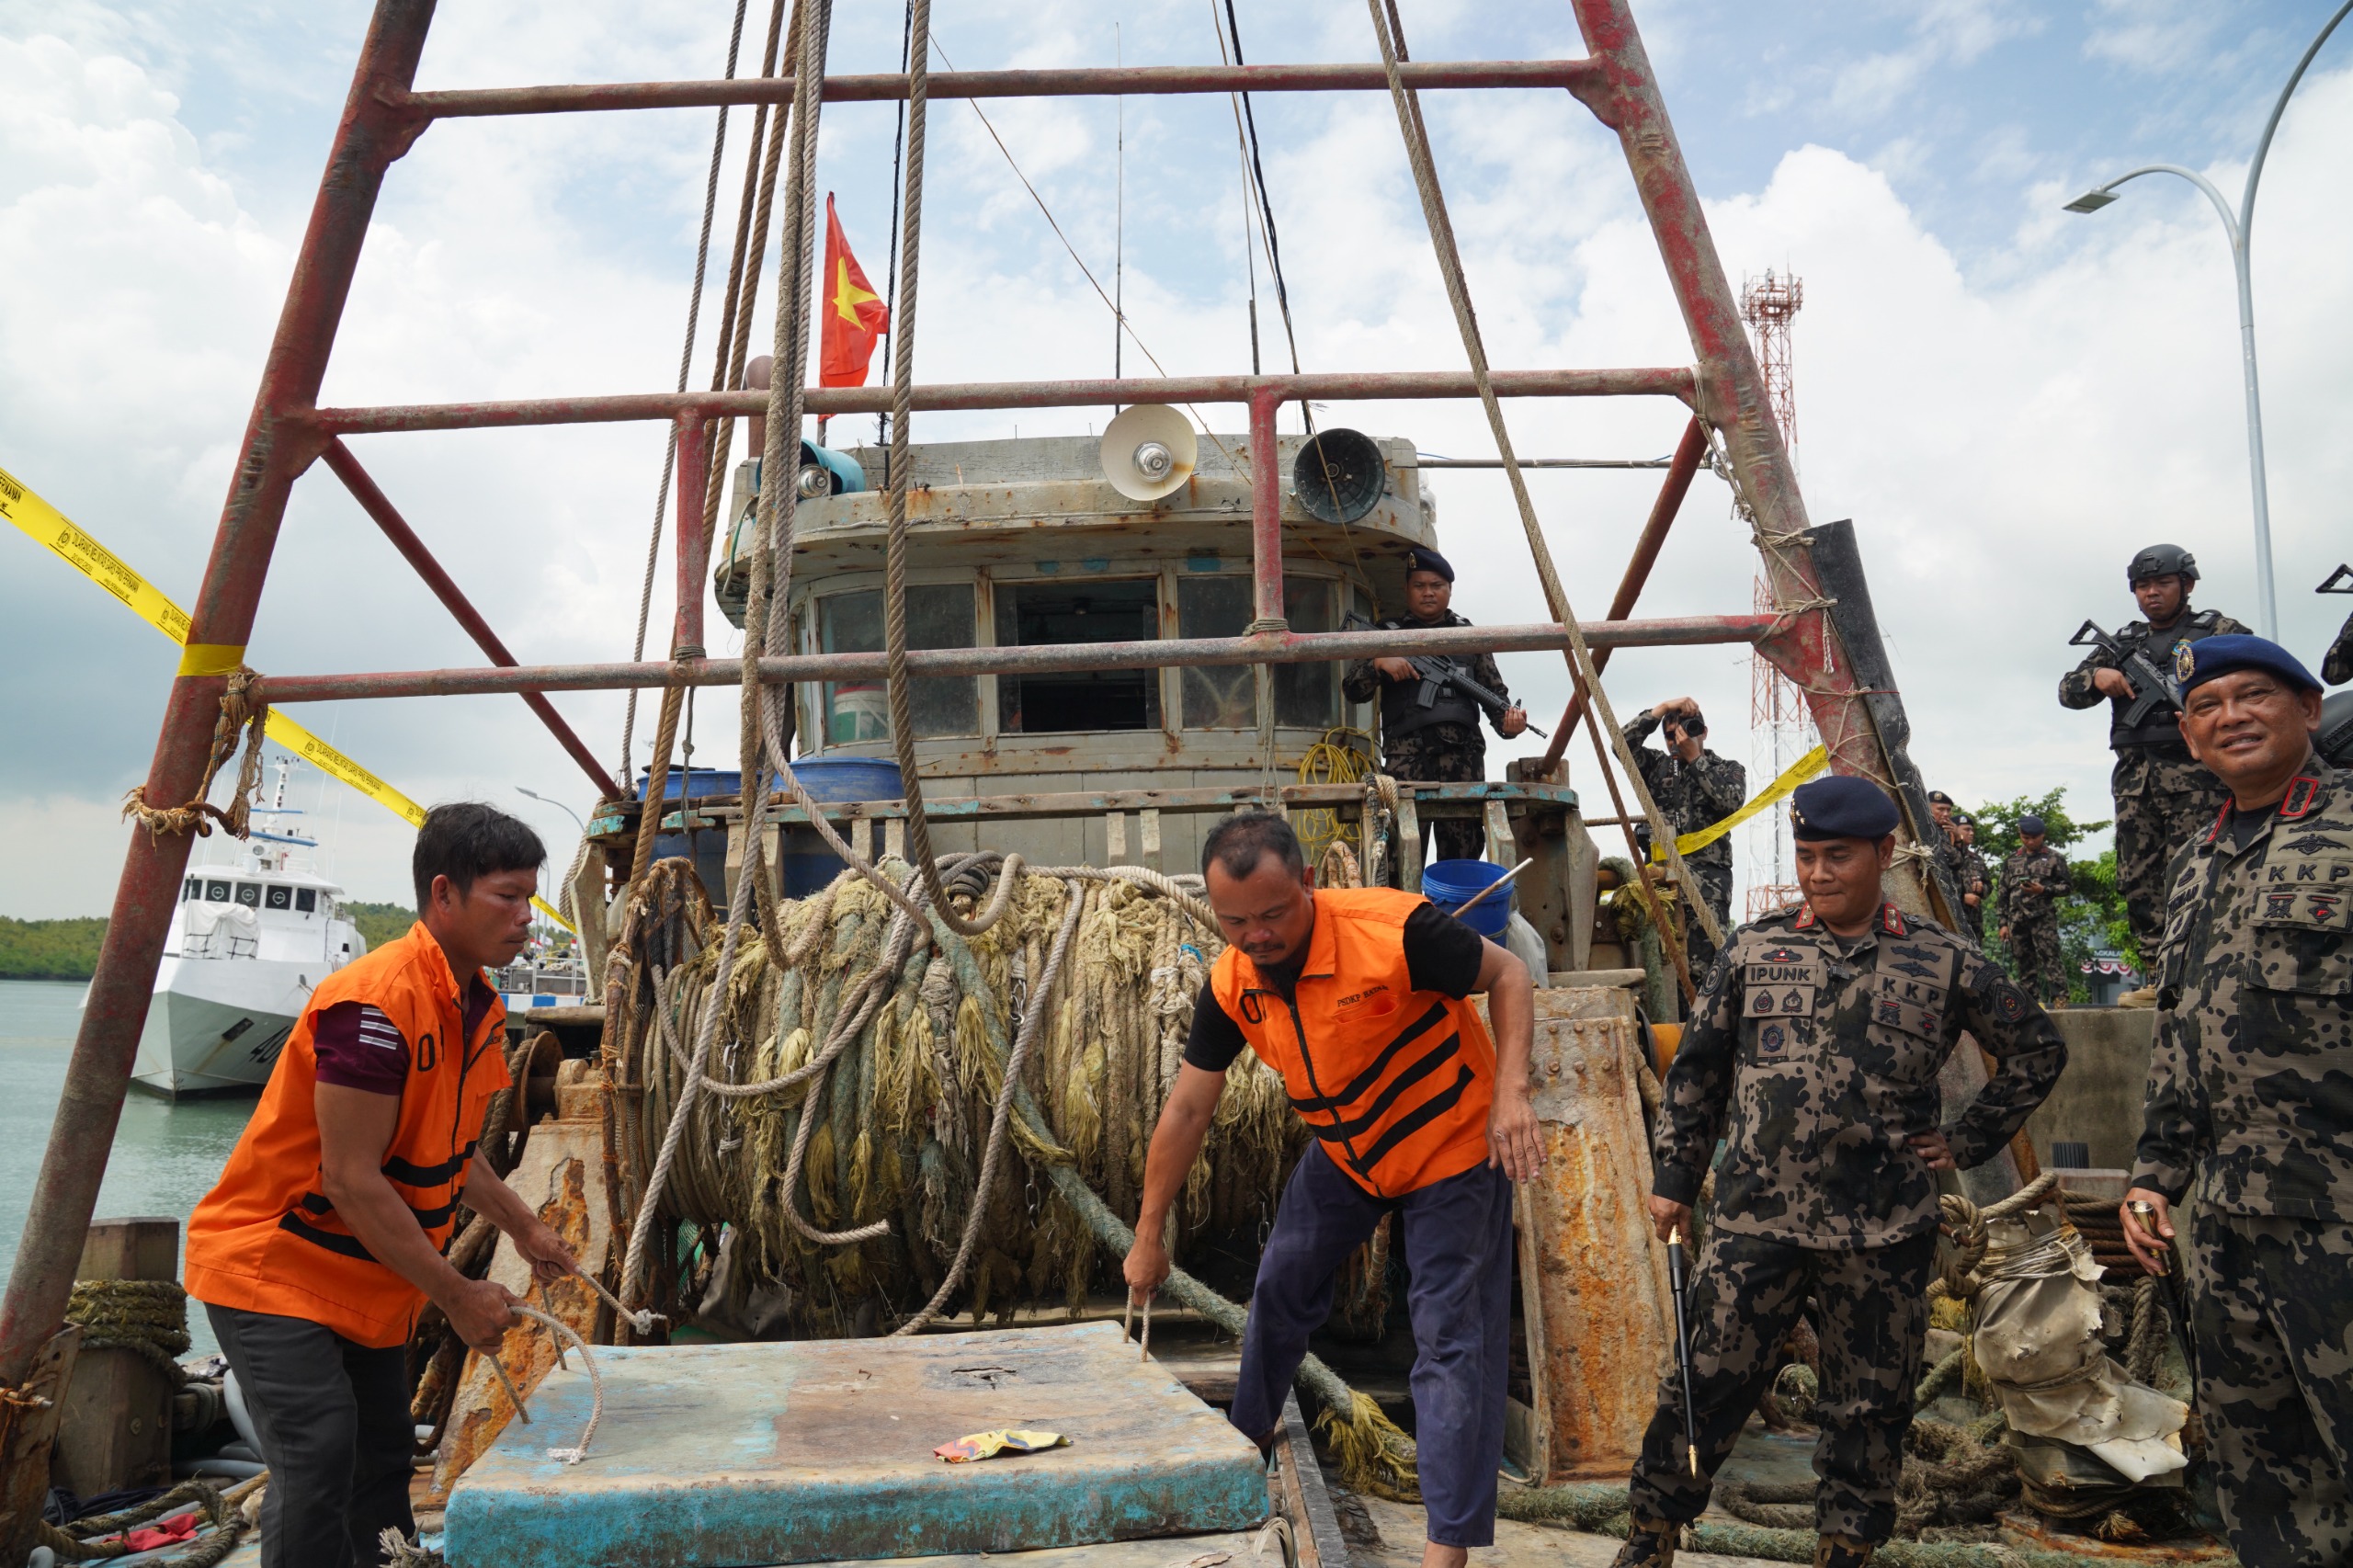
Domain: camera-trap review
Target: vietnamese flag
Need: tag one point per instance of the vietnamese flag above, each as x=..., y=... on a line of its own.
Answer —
x=853, y=313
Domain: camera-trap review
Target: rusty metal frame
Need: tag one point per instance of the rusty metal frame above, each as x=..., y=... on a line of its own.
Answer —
x=379, y=508
x=382, y=117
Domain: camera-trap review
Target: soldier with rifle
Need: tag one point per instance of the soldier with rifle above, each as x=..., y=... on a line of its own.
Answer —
x=1812, y=1053
x=1430, y=709
x=2337, y=664
x=2163, y=796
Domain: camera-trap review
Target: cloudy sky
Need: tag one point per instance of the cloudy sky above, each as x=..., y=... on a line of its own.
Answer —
x=2008, y=399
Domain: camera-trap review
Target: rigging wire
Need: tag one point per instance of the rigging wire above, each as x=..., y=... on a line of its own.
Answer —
x=1242, y=151
x=1119, y=316
x=1266, y=213
x=686, y=365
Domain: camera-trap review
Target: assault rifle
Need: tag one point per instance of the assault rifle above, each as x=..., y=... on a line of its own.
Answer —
x=2153, y=689
x=1438, y=672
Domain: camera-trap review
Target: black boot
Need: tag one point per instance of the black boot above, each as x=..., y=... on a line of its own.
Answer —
x=1841, y=1552
x=1649, y=1544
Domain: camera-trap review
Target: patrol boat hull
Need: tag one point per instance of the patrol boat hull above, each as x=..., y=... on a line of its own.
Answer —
x=216, y=1028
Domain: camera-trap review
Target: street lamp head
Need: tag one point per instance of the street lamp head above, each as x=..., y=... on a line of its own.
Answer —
x=2091, y=200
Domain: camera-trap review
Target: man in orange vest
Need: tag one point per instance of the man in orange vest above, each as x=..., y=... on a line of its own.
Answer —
x=325, y=1234
x=1361, y=997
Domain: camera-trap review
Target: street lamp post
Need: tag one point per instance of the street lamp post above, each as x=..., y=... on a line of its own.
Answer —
x=2240, y=226
x=559, y=805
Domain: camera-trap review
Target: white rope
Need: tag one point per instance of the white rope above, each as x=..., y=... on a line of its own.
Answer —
x=564, y=1331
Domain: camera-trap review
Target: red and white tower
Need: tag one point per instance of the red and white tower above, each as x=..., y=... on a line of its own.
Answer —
x=1779, y=731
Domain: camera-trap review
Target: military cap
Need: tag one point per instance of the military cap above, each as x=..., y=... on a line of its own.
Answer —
x=1422, y=558
x=1840, y=806
x=1939, y=798
x=2031, y=825
x=1963, y=819
x=2195, y=663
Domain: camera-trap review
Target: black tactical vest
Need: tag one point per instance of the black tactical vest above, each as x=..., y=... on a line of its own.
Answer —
x=2160, y=728
x=1402, y=713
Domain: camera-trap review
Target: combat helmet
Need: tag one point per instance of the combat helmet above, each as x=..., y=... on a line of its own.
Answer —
x=2162, y=561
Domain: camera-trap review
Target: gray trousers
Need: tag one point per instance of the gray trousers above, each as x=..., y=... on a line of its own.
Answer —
x=332, y=1418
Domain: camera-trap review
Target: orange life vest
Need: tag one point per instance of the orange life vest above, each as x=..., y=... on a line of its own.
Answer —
x=1396, y=1081
x=266, y=1238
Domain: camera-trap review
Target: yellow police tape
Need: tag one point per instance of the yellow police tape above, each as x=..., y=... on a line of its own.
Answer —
x=50, y=526
x=1798, y=772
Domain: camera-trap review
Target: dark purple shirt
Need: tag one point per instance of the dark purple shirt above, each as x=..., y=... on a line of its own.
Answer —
x=358, y=1048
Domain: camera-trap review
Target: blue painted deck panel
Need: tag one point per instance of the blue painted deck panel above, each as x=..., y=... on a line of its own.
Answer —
x=714, y=1456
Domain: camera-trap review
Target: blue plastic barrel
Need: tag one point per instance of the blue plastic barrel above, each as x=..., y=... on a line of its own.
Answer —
x=806, y=864
x=1450, y=884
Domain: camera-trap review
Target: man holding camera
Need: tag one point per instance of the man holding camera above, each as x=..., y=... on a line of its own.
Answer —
x=1694, y=789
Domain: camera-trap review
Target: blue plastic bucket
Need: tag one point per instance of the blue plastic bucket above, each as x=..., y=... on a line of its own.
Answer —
x=806, y=864
x=1450, y=884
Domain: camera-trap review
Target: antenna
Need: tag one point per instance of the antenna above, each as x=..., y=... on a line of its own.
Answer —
x=1120, y=218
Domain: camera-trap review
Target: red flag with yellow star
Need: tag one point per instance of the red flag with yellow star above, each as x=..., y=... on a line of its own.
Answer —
x=853, y=313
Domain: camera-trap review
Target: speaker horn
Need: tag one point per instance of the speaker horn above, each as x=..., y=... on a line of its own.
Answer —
x=1339, y=476
x=1148, y=451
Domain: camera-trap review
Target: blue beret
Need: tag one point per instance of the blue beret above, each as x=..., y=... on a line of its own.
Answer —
x=1422, y=558
x=2031, y=824
x=1841, y=806
x=2195, y=663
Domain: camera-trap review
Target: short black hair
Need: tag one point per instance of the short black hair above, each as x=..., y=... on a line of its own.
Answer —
x=1243, y=839
x=466, y=840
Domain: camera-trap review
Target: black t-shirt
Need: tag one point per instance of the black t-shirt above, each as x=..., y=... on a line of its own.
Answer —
x=2245, y=824
x=1441, y=954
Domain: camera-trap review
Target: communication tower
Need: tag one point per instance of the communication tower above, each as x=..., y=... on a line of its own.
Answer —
x=1779, y=731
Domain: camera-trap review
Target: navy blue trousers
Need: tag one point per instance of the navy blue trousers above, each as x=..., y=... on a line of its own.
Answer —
x=1458, y=1243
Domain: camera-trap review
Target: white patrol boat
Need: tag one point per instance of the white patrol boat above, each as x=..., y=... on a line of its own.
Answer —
x=247, y=943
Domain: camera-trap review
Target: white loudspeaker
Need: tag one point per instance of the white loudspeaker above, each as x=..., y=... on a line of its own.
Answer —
x=1148, y=451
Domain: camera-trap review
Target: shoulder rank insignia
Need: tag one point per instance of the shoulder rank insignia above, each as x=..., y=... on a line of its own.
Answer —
x=2184, y=660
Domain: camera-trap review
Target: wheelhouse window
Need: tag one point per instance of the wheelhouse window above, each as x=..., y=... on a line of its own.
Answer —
x=1307, y=696
x=216, y=893
x=193, y=888
x=279, y=898
x=249, y=894
x=1220, y=696
x=306, y=900
x=1031, y=615
x=938, y=616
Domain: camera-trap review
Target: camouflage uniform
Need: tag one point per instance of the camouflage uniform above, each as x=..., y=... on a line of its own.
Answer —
x=1977, y=878
x=2251, y=1094
x=1690, y=796
x=2337, y=664
x=2163, y=794
x=2033, y=920
x=1815, y=1062
x=1450, y=751
x=1966, y=872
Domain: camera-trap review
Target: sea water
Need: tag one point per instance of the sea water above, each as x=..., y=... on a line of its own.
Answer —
x=165, y=1155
